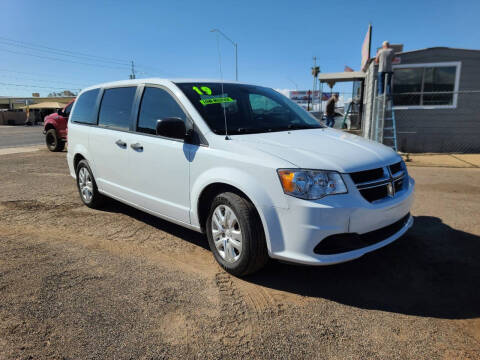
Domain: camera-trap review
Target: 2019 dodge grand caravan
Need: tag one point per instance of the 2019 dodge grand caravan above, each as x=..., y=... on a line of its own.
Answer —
x=242, y=163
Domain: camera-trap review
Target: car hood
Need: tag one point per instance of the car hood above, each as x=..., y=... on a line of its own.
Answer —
x=324, y=148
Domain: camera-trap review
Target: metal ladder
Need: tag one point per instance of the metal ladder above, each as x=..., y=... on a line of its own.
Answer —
x=345, y=116
x=389, y=125
x=384, y=126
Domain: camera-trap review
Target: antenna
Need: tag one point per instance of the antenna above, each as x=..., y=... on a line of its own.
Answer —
x=221, y=77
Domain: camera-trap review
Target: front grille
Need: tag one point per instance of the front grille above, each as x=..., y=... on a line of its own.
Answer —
x=395, y=168
x=380, y=183
x=367, y=175
x=398, y=185
x=340, y=243
x=375, y=193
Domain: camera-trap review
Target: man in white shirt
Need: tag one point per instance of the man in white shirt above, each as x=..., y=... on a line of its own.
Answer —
x=384, y=60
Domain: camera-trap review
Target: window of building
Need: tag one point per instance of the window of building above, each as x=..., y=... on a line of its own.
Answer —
x=426, y=85
x=157, y=104
x=116, y=108
x=85, y=108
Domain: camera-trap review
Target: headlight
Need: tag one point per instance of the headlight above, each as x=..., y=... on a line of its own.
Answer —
x=311, y=184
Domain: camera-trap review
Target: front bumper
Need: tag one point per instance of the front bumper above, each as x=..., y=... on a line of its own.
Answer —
x=305, y=224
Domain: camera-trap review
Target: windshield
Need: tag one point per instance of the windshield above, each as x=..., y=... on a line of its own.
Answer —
x=248, y=108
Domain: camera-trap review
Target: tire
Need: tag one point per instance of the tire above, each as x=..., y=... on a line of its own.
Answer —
x=87, y=187
x=252, y=253
x=53, y=142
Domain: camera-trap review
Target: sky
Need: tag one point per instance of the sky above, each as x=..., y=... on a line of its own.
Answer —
x=276, y=39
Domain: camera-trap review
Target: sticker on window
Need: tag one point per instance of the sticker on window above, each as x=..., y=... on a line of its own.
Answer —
x=206, y=97
x=216, y=99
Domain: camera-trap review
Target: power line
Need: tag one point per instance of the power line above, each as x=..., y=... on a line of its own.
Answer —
x=44, y=77
x=64, y=60
x=61, y=54
x=45, y=80
x=36, y=86
x=122, y=64
x=27, y=45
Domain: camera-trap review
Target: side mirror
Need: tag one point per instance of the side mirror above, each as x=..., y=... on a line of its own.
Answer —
x=173, y=127
x=60, y=112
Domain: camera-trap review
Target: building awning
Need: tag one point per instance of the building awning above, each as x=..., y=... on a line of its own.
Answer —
x=332, y=78
x=46, y=105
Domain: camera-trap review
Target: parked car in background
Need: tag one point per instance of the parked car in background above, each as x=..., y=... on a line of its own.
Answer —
x=243, y=164
x=55, y=128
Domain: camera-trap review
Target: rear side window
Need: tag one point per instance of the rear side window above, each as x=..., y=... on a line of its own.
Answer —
x=85, y=107
x=116, y=108
x=157, y=104
x=68, y=109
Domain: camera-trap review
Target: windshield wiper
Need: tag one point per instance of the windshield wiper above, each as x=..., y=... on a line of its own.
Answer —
x=269, y=129
x=252, y=130
x=302, y=127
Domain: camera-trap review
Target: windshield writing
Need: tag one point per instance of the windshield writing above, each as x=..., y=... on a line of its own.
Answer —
x=248, y=108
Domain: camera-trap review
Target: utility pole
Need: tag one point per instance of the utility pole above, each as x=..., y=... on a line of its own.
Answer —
x=236, y=62
x=132, y=75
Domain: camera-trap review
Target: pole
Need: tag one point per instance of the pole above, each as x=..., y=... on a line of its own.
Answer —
x=321, y=97
x=132, y=75
x=313, y=87
x=375, y=114
x=236, y=62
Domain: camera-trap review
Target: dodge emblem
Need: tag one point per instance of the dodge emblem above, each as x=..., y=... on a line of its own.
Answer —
x=390, y=190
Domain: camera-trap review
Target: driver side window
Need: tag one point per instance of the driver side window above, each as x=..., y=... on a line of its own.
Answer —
x=157, y=104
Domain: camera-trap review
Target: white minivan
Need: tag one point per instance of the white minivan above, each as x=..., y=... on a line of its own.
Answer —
x=243, y=164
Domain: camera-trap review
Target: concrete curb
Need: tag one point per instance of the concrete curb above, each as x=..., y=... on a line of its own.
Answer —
x=19, y=150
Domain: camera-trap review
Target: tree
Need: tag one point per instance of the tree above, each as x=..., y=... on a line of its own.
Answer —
x=64, y=93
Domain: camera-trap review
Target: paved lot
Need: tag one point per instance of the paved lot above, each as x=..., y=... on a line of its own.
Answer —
x=12, y=136
x=82, y=284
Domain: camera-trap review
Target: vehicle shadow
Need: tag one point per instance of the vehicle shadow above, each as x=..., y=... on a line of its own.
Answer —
x=434, y=271
x=196, y=238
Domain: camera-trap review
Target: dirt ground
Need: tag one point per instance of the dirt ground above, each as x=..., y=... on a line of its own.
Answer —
x=77, y=283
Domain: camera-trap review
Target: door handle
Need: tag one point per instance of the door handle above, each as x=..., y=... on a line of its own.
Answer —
x=137, y=146
x=121, y=143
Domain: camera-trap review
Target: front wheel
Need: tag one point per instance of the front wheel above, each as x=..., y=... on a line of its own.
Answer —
x=53, y=142
x=235, y=235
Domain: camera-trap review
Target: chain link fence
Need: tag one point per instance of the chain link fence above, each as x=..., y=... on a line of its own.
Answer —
x=430, y=122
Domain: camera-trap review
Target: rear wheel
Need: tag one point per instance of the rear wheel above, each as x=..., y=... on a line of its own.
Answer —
x=53, y=142
x=235, y=235
x=87, y=187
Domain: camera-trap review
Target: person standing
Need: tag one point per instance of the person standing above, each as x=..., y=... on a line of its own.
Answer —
x=27, y=118
x=384, y=60
x=330, y=110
